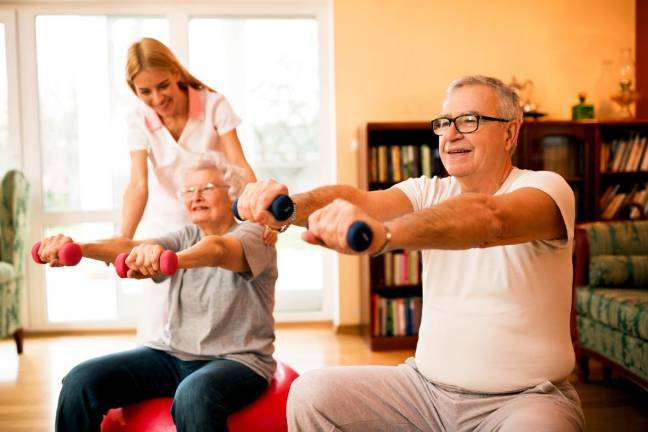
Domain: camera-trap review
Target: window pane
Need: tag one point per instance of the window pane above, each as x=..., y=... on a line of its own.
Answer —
x=84, y=101
x=268, y=69
x=10, y=156
x=89, y=291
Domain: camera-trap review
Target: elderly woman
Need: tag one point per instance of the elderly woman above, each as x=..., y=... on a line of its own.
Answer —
x=215, y=354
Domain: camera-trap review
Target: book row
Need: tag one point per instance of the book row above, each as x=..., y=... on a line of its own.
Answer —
x=625, y=155
x=396, y=316
x=394, y=163
x=617, y=203
x=400, y=268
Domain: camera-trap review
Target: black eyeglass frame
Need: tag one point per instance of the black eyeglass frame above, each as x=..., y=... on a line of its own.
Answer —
x=479, y=117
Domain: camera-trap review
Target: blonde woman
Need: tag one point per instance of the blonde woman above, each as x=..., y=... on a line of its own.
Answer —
x=179, y=118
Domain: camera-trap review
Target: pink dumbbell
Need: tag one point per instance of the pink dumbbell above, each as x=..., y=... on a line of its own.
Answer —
x=69, y=254
x=168, y=263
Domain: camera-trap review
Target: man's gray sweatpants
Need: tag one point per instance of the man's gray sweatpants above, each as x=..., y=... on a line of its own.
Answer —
x=399, y=398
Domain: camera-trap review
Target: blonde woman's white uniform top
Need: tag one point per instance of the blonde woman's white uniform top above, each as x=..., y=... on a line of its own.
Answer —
x=210, y=116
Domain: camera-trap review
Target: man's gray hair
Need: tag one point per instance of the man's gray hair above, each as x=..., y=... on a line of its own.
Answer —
x=509, y=100
x=232, y=175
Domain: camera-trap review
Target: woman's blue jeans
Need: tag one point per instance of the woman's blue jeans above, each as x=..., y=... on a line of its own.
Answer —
x=204, y=392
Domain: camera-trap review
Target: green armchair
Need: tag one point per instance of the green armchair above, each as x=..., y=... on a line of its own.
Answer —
x=611, y=297
x=14, y=198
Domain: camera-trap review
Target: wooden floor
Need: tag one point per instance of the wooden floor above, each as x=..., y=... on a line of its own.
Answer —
x=29, y=384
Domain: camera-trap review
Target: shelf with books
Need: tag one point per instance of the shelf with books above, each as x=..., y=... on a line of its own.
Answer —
x=564, y=147
x=621, y=180
x=583, y=152
x=390, y=153
x=599, y=160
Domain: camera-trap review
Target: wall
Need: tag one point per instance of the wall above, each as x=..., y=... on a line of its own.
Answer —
x=642, y=57
x=393, y=60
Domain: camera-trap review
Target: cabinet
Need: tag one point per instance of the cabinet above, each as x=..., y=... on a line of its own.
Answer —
x=605, y=163
x=392, y=152
x=588, y=154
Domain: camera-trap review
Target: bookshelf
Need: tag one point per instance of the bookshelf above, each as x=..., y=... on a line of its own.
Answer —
x=605, y=163
x=392, y=152
x=583, y=152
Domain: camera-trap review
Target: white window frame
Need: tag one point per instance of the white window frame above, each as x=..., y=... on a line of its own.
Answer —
x=8, y=18
x=178, y=16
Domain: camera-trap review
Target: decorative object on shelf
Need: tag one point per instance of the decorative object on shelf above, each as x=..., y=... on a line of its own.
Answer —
x=627, y=96
x=582, y=110
x=524, y=90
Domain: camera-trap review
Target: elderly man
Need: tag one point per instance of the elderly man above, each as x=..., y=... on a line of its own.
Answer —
x=215, y=354
x=494, y=349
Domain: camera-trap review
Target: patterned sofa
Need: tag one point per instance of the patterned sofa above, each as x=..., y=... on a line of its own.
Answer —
x=14, y=197
x=611, y=297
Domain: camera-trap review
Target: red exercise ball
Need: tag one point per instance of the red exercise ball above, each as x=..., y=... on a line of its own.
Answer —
x=266, y=414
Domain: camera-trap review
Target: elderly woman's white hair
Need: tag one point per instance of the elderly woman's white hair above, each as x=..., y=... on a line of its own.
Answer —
x=233, y=176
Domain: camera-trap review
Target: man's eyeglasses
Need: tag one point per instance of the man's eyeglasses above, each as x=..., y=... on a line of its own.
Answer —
x=465, y=123
x=204, y=190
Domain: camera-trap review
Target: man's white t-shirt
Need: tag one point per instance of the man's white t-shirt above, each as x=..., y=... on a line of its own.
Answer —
x=496, y=319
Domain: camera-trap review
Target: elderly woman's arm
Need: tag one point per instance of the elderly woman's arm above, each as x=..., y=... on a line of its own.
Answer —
x=102, y=250
x=215, y=251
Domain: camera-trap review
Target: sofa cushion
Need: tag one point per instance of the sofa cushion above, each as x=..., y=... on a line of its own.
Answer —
x=623, y=309
x=625, y=350
x=7, y=272
x=619, y=270
x=618, y=238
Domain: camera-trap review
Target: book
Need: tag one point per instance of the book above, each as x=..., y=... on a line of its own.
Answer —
x=426, y=160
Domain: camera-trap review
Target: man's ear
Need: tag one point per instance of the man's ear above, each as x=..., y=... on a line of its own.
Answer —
x=512, y=132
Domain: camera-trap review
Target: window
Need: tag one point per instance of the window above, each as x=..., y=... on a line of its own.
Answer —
x=83, y=101
x=269, y=70
x=9, y=136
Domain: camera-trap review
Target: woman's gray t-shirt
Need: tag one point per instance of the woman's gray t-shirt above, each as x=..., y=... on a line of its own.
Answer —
x=218, y=313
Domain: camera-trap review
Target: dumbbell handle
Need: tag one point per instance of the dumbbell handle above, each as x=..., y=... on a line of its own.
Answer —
x=282, y=208
x=359, y=236
x=168, y=263
x=69, y=254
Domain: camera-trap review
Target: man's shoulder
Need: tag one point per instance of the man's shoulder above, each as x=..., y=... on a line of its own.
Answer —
x=523, y=177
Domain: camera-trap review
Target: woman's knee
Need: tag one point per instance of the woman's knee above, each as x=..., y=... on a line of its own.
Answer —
x=81, y=378
x=198, y=395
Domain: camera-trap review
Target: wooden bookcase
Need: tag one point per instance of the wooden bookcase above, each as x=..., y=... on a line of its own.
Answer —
x=571, y=148
x=583, y=153
x=392, y=152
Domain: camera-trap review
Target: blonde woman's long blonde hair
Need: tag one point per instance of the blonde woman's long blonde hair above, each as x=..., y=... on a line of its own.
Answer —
x=149, y=53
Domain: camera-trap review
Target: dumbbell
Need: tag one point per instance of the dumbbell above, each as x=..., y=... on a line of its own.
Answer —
x=359, y=236
x=69, y=254
x=168, y=263
x=281, y=208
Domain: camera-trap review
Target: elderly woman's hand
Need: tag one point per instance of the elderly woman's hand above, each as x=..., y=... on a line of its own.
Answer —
x=49, y=249
x=143, y=261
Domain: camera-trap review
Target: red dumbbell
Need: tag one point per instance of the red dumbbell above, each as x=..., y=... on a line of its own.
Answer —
x=168, y=263
x=69, y=254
